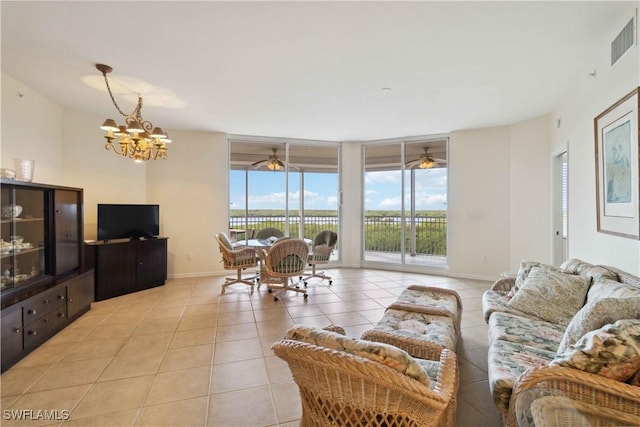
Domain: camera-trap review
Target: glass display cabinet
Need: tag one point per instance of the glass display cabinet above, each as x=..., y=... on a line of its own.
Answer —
x=44, y=285
x=23, y=245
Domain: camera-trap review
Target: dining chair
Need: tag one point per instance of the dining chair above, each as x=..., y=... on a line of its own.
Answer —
x=323, y=245
x=287, y=258
x=265, y=233
x=238, y=258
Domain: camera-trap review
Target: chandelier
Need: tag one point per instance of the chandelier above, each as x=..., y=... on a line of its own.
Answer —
x=138, y=139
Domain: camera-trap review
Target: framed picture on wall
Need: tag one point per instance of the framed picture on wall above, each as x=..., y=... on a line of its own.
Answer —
x=617, y=168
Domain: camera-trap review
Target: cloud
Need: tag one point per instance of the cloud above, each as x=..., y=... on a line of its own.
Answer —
x=382, y=176
x=390, y=203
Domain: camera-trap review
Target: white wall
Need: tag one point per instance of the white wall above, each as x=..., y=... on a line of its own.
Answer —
x=31, y=129
x=585, y=100
x=191, y=187
x=104, y=176
x=351, y=211
x=530, y=192
x=478, y=202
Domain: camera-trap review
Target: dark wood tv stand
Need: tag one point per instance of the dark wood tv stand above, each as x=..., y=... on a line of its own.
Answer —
x=123, y=266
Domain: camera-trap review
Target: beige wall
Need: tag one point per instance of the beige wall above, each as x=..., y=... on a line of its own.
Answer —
x=31, y=129
x=351, y=210
x=585, y=100
x=104, y=176
x=191, y=188
x=530, y=192
x=478, y=202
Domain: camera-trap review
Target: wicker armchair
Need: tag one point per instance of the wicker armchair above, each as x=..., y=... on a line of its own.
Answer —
x=338, y=388
x=236, y=259
x=323, y=245
x=265, y=233
x=579, y=386
x=285, y=259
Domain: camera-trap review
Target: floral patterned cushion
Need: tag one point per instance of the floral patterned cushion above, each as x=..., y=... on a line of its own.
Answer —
x=507, y=361
x=431, y=367
x=551, y=295
x=385, y=354
x=598, y=313
x=493, y=301
x=606, y=288
x=530, y=332
x=523, y=273
x=575, y=266
x=428, y=327
x=426, y=297
x=612, y=351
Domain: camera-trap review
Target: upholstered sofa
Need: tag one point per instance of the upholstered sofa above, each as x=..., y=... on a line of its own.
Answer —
x=570, y=331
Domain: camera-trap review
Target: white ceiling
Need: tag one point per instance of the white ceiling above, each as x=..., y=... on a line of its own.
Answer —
x=311, y=70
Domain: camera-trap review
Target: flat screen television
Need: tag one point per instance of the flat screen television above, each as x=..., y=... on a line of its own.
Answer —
x=128, y=221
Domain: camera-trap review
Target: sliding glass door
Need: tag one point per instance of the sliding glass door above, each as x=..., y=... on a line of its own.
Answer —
x=290, y=186
x=405, y=194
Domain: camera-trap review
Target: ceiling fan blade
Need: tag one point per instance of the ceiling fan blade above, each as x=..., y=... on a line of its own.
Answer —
x=437, y=160
x=259, y=162
x=412, y=163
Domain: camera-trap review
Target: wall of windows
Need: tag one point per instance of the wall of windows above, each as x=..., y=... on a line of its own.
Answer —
x=294, y=189
x=405, y=202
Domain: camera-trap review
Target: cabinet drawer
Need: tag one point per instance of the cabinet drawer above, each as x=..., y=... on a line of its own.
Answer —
x=11, y=334
x=41, y=328
x=44, y=302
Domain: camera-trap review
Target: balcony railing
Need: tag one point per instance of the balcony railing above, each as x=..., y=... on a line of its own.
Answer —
x=382, y=232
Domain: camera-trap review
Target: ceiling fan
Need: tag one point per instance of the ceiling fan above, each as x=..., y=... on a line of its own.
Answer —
x=272, y=162
x=426, y=161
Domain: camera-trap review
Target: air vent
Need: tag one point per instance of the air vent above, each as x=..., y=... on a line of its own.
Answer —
x=623, y=42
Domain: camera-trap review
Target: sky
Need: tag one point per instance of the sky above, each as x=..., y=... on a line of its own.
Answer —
x=382, y=190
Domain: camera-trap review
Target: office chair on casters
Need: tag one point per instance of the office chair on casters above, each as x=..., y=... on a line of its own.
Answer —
x=287, y=258
x=236, y=259
x=265, y=233
x=323, y=245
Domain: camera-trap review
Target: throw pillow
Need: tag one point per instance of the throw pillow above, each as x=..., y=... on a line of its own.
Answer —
x=612, y=351
x=523, y=272
x=596, y=314
x=551, y=295
x=575, y=266
x=606, y=288
x=225, y=241
x=596, y=272
x=386, y=354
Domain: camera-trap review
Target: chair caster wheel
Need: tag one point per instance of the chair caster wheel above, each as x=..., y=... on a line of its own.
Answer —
x=269, y=290
x=275, y=299
x=330, y=282
x=306, y=296
x=305, y=284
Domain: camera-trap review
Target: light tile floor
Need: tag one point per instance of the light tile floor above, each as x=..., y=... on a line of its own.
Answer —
x=183, y=355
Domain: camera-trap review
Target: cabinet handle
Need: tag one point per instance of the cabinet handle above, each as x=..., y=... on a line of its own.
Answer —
x=61, y=297
x=58, y=211
x=33, y=332
x=32, y=312
x=45, y=320
x=47, y=301
x=17, y=330
x=70, y=299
